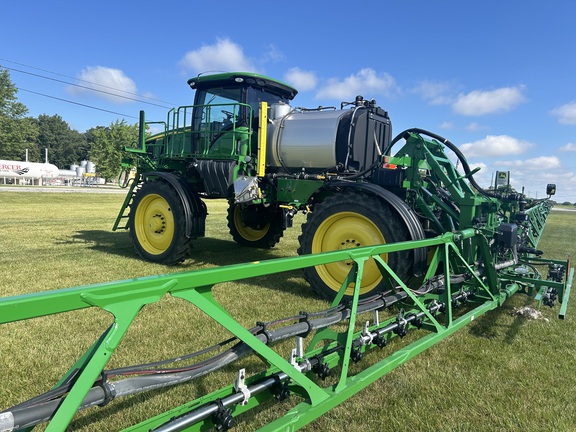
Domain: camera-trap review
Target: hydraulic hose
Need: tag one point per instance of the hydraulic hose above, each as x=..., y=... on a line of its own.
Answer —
x=181, y=423
x=452, y=147
x=42, y=408
x=98, y=395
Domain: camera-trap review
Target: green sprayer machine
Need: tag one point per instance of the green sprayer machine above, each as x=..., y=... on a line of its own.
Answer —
x=405, y=248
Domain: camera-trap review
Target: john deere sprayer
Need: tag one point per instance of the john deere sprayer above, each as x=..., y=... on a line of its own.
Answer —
x=396, y=238
x=242, y=140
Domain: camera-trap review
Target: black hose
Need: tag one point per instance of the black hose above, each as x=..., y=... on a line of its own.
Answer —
x=452, y=147
x=40, y=409
x=146, y=367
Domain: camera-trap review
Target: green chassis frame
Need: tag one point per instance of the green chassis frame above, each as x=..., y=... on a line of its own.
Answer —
x=124, y=299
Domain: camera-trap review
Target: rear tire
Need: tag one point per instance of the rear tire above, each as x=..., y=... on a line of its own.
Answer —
x=254, y=226
x=349, y=220
x=157, y=224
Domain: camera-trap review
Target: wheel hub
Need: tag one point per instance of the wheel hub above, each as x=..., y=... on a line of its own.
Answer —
x=157, y=223
x=349, y=243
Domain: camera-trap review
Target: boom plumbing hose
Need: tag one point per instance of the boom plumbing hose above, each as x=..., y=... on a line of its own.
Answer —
x=452, y=147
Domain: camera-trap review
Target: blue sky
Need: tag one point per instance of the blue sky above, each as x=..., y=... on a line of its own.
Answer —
x=497, y=78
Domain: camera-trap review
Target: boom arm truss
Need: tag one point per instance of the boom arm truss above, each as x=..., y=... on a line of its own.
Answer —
x=457, y=288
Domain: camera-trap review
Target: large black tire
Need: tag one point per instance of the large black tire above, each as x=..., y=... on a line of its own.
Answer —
x=254, y=226
x=351, y=219
x=157, y=224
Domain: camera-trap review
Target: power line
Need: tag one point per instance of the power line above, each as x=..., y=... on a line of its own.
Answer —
x=88, y=82
x=86, y=87
x=77, y=103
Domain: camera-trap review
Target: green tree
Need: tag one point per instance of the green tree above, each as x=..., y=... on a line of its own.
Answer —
x=106, y=147
x=65, y=146
x=17, y=132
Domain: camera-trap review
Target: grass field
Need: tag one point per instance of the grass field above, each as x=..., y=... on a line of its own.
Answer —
x=501, y=373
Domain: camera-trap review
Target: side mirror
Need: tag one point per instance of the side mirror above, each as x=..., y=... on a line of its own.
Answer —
x=550, y=189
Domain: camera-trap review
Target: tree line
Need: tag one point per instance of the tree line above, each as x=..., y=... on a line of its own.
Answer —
x=19, y=132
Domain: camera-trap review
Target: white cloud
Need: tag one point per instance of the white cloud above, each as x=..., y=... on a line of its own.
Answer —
x=480, y=102
x=302, y=80
x=447, y=125
x=436, y=93
x=480, y=165
x=107, y=83
x=534, y=174
x=273, y=54
x=495, y=145
x=537, y=163
x=475, y=127
x=566, y=113
x=224, y=55
x=366, y=82
x=568, y=147
x=481, y=175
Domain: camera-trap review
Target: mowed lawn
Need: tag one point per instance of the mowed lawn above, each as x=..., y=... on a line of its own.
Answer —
x=501, y=373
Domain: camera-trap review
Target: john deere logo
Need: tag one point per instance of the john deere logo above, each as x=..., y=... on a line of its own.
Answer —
x=502, y=175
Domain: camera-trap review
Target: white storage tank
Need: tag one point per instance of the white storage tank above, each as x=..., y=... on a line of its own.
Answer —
x=67, y=173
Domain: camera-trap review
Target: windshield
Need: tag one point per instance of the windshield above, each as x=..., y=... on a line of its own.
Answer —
x=222, y=113
x=257, y=95
x=220, y=106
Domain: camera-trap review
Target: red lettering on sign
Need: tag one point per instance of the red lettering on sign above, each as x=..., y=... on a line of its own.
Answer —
x=10, y=167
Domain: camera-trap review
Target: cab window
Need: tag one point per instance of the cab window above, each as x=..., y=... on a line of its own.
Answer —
x=220, y=108
x=257, y=95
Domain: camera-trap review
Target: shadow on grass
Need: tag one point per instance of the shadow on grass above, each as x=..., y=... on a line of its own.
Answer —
x=205, y=252
x=217, y=252
x=493, y=324
x=226, y=252
x=117, y=243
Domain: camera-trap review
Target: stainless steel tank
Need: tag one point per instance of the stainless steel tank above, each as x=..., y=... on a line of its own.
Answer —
x=304, y=139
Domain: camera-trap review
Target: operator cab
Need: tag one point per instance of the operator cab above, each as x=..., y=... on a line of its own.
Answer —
x=225, y=114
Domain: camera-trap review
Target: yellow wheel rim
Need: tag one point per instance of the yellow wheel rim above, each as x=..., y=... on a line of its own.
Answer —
x=154, y=224
x=245, y=231
x=347, y=230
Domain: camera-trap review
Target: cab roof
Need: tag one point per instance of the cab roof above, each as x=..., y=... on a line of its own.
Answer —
x=241, y=78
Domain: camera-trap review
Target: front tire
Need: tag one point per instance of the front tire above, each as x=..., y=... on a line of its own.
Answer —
x=254, y=226
x=157, y=224
x=348, y=220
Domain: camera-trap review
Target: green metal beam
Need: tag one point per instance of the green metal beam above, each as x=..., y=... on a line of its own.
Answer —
x=124, y=299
